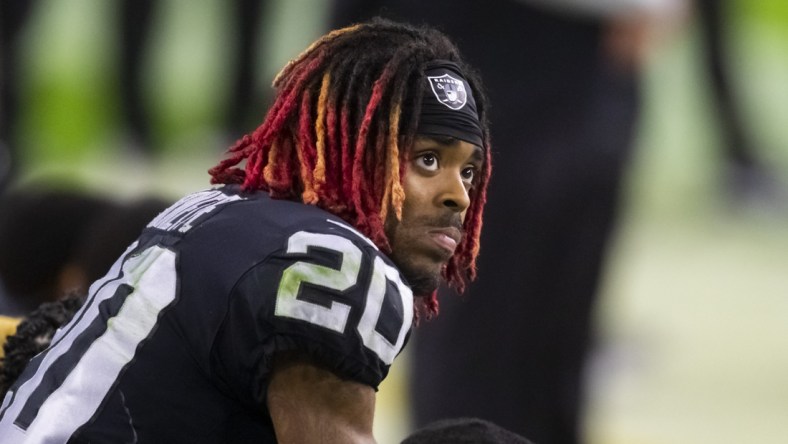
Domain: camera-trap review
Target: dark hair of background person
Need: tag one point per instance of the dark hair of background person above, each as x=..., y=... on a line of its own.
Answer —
x=39, y=228
x=33, y=335
x=55, y=241
x=105, y=238
x=464, y=431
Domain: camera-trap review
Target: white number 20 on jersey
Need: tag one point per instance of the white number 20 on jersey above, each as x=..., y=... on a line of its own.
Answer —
x=335, y=315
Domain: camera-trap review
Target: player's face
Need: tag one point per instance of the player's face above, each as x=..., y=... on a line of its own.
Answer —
x=437, y=182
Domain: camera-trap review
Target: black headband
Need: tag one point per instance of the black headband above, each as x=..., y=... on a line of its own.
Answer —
x=448, y=107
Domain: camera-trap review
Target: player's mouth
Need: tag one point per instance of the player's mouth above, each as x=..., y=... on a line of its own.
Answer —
x=445, y=240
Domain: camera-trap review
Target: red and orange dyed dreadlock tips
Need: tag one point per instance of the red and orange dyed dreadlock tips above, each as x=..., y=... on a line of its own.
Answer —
x=305, y=149
x=320, y=130
x=394, y=194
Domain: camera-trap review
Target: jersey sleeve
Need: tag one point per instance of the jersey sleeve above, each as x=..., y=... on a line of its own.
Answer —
x=326, y=293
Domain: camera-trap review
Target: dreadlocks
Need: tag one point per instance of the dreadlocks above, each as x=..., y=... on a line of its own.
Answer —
x=338, y=133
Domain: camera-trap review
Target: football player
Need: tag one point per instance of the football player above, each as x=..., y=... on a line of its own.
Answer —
x=269, y=308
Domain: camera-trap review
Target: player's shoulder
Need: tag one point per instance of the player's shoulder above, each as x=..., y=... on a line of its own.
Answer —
x=230, y=213
x=301, y=279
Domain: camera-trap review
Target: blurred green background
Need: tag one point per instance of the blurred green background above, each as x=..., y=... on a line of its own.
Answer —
x=693, y=317
x=71, y=124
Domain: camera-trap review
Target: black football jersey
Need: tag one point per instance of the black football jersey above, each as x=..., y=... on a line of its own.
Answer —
x=175, y=343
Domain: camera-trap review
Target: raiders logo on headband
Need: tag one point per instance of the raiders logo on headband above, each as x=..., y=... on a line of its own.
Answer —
x=449, y=91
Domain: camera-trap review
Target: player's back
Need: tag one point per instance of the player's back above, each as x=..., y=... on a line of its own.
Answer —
x=175, y=343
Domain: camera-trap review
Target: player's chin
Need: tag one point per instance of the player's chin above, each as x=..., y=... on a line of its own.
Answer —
x=424, y=285
x=421, y=267
x=424, y=277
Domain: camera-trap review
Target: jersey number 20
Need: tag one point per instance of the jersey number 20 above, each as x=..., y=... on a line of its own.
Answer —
x=335, y=314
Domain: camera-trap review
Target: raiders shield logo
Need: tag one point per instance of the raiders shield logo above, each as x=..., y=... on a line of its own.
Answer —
x=449, y=91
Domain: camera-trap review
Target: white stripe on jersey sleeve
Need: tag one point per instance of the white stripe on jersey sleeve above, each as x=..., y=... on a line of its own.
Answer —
x=152, y=275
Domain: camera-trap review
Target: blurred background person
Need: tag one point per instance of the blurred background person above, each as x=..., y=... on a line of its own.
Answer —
x=39, y=230
x=135, y=18
x=462, y=431
x=13, y=16
x=106, y=237
x=54, y=241
x=247, y=102
x=746, y=178
x=32, y=335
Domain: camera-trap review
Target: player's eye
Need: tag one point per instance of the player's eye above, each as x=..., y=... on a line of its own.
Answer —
x=468, y=174
x=427, y=161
